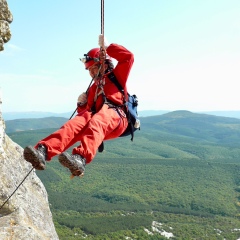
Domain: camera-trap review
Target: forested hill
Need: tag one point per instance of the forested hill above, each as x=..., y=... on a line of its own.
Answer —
x=181, y=170
x=221, y=130
x=24, y=124
x=183, y=134
x=143, y=113
x=178, y=134
x=183, y=119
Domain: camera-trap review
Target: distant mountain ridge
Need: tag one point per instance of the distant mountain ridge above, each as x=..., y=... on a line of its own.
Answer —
x=232, y=114
x=179, y=134
x=144, y=113
x=184, y=122
x=34, y=123
x=34, y=114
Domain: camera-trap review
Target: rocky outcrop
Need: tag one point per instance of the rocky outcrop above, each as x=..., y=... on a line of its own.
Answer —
x=27, y=214
x=5, y=19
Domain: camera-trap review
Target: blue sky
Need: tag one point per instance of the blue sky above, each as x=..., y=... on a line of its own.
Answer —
x=187, y=52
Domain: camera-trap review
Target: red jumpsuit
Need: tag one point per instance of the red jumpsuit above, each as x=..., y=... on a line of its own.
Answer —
x=107, y=123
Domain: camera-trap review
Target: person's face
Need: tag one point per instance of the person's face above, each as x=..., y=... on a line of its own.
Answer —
x=93, y=70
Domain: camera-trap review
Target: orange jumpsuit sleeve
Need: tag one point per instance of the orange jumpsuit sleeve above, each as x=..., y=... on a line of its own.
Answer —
x=125, y=61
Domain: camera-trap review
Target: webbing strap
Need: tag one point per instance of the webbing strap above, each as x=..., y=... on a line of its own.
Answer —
x=113, y=78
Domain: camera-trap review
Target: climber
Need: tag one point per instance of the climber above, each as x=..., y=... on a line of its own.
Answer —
x=100, y=112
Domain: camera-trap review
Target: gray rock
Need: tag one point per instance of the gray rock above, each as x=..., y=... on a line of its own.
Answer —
x=5, y=19
x=27, y=214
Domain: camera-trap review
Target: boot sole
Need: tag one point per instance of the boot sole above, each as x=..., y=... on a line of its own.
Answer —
x=63, y=159
x=30, y=156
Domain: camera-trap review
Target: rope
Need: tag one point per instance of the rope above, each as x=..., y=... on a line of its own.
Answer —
x=102, y=17
x=103, y=51
x=16, y=188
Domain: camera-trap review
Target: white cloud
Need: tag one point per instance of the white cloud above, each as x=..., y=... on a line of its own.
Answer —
x=14, y=47
x=11, y=50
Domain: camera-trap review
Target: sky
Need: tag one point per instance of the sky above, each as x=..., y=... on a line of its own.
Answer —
x=187, y=52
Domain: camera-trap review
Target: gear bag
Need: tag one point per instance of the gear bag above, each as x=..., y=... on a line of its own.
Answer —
x=131, y=109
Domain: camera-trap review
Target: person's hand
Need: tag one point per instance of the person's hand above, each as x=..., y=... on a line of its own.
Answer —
x=102, y=41
x=82, y=99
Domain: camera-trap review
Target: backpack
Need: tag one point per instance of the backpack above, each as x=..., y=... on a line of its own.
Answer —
x=131, y=109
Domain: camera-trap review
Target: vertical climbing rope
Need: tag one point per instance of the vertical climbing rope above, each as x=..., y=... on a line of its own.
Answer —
x=102, y=17
x=103, y=50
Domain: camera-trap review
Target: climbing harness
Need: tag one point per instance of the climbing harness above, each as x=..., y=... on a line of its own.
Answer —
x=130, y=103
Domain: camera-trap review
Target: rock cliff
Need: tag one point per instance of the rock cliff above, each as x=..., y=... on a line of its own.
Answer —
x=5, y=19
x=27, y=214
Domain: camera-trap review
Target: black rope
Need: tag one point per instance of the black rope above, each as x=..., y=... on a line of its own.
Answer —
x=16, y=189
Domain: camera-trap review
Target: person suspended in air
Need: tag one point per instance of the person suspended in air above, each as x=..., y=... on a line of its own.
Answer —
x=100, y=114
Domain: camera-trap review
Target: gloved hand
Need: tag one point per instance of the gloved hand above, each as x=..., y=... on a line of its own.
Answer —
x=82, y=99
x=102, y=41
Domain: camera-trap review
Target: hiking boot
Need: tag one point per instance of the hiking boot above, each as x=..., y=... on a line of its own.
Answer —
x=37, y=157
x=74, y=162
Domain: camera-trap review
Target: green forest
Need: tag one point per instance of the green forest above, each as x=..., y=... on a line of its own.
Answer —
x=179, y=176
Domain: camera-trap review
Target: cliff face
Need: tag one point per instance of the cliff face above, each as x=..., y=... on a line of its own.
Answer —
x=5, y=19
x=27, y=214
